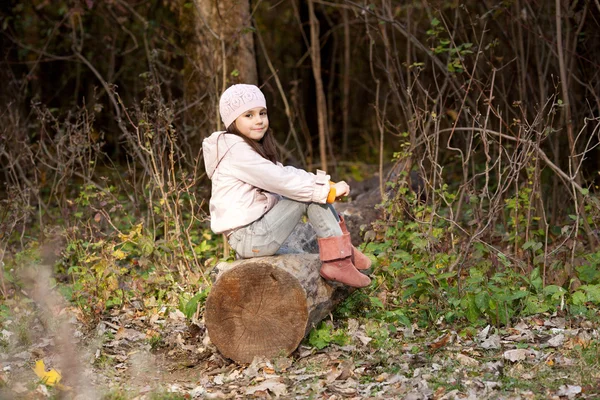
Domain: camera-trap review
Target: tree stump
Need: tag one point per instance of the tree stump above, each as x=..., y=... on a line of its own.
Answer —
x=265, y=306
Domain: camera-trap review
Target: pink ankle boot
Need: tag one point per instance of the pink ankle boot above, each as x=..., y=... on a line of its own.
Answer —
x=360, y=260
x=336, y=257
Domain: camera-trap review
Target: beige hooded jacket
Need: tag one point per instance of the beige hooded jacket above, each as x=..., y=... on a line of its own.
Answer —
x=245, y=185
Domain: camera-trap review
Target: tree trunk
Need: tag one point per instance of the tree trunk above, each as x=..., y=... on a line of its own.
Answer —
x=315, y=55
x=220, y=52
x=265, y=306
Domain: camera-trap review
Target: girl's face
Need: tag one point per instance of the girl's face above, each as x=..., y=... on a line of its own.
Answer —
x=253, y=123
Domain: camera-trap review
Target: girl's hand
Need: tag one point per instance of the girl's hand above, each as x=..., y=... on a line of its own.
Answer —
x=341, y=189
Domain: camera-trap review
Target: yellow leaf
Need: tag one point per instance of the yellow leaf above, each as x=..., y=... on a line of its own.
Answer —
x=49, y=378
x=119, y=254
x=138, y=228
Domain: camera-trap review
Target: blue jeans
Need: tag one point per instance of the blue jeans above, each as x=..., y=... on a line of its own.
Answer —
x=265, y=236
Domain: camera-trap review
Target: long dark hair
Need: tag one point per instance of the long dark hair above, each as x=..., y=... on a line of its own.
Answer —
x=266, y=146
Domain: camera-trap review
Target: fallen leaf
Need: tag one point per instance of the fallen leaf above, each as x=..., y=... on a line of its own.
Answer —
x=562, y=360
x=441, y=342
x=177, y=315
x=527, y=376
x=569, y=391
x=466, y=360
x=49, y=378
x=519, y=354
x=129, y=334
x=282, y=363
x=538, y=321
x=557, y=322
x=272, y=385
x=521, y=326
x=494, y=366
x=364, y=339
x=493, y=342
x=557, y=340
x=333, y=375
x=583, y=339
x=439, y=392
x=382, y=377
x=348, y=388
x=484, y=333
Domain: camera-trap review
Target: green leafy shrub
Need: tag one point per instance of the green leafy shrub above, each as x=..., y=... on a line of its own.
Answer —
x=323, y=335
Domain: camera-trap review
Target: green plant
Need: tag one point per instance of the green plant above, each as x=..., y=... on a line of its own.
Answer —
x=190, y=306
x=156, y=341
x=323, y=335
x=444, y=44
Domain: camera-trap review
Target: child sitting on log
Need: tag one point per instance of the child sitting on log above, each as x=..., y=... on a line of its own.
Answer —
x=257, y=202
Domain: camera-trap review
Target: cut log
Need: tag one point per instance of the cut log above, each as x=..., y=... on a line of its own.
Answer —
x=265, y=306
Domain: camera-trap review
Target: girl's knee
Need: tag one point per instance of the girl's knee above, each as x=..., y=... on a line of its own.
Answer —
x=298, y=204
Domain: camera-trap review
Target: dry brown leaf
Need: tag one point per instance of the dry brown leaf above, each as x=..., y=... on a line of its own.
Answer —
x=439, y=392
x=519, y=355
x=333, y=374
x=440, y=343
x=272, y=385
x=466, y=360
x=382, y=377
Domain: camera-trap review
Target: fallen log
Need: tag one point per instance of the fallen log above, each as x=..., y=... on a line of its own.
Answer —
x=265, y=306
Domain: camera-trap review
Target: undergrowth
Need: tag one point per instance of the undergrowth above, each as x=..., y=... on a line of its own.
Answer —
x=137, y=235
x=427, y=274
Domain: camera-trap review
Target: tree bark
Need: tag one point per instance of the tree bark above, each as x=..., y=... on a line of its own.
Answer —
x=315, y=55
x=220, y=52
x=265, y=306
x=346, y=83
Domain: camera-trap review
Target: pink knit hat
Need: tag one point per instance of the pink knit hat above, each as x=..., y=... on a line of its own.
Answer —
x=238, y=99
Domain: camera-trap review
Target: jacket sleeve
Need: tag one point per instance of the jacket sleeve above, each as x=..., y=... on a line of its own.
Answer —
x=294, y=183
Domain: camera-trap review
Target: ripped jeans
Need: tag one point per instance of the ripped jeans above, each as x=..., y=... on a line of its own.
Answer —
x=265, y=236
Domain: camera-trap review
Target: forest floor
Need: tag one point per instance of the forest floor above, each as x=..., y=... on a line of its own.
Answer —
x=133, y=354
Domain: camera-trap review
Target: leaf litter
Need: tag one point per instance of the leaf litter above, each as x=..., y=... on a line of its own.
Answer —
x=142, y=354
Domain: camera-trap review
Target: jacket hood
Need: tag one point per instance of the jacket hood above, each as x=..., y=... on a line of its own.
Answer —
x=214, y=149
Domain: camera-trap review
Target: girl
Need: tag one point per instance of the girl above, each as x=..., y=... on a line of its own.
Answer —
x=256, y=201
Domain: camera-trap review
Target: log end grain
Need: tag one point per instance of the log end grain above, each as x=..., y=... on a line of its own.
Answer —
x=256, y=309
